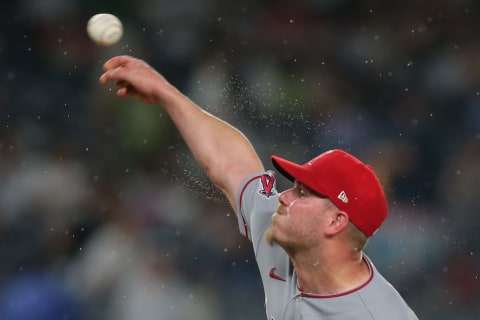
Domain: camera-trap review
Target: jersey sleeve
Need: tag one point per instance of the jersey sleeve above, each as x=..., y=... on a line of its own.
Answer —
x=257, y=198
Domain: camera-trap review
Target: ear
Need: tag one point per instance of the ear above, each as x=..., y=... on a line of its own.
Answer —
x=338, y=222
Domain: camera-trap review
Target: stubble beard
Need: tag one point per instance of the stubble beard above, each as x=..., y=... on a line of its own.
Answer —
x=269, y=237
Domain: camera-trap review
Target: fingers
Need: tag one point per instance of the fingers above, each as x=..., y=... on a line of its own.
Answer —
x=122, y=92
x=107, y=76
x=116, y=62
x=114, y=68
x=129, y=75
x=123, y=88
x=112, y=74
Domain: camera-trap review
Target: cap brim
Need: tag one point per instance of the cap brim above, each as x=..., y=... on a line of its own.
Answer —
x=295, y=172
x=291, y=170
x=285, y=167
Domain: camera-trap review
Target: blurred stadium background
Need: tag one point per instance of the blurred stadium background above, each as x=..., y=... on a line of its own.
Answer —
x=105, y=215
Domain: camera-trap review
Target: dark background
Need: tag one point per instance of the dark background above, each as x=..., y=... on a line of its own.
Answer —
x=105, y=215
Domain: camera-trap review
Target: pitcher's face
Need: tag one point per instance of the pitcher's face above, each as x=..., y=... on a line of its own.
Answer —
x=300, y=218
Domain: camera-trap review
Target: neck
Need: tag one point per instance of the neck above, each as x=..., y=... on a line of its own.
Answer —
x=330, y=273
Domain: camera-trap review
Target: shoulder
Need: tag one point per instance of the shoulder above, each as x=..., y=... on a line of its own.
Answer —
x=257, y=187
x=257, y=199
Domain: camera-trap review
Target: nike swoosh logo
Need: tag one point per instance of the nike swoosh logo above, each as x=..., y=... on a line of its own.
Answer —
x=275, y=276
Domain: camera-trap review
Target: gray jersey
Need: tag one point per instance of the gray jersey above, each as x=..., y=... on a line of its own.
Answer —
x=374, y=300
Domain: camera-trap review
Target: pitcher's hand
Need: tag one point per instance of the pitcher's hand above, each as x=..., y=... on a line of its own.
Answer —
x=136, y=79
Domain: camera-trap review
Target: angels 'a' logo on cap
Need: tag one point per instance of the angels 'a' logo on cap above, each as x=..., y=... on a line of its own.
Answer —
x=343, y=197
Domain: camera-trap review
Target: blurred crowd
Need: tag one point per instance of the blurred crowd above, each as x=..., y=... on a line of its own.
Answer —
x=104, y=214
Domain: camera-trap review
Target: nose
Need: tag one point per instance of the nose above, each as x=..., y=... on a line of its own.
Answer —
x=284, y=198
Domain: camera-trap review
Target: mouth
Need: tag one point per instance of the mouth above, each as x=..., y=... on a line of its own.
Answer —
x=279, y=213
x=280, y=210
x=269, y=234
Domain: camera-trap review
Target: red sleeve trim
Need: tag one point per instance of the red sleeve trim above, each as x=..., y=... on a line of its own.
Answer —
x=311, y=295
x=240, y=203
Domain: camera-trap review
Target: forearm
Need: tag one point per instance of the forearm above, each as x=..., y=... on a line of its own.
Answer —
x=221, y=150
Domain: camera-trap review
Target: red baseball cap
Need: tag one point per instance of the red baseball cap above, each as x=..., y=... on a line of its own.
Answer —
x=348, y=182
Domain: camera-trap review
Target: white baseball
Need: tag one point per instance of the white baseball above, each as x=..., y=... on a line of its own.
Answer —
x=105, y=29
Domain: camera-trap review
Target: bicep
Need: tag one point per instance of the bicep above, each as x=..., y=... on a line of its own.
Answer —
x=236, y=174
